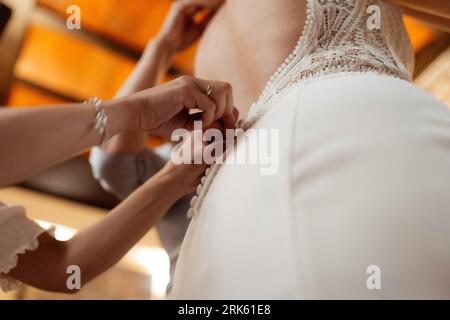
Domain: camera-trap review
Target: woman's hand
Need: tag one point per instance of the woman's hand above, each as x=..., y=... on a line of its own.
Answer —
x=178, y=32
x=185, y=175
x=120, y=230
x=180, y=29
x=165, y=108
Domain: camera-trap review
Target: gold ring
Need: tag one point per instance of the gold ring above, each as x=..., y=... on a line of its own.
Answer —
x=210, y=89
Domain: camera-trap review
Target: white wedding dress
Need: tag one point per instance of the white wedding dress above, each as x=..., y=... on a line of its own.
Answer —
x=363, y=181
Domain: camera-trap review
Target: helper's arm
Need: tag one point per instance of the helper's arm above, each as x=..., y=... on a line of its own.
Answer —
x=99, y=247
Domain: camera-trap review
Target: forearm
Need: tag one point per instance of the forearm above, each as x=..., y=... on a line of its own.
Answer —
x=99, y=247
x=439, y=8
x=117, y=233
x=32, y=140
x=152, y=66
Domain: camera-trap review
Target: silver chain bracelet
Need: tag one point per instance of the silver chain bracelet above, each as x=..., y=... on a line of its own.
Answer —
x=101, y=118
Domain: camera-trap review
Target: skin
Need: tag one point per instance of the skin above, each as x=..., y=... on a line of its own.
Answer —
x=246, y=72
x=179, y=31
x=242, y=47
x=111, y=238
x=158, y=111
x=228, y=53
x=45, y=267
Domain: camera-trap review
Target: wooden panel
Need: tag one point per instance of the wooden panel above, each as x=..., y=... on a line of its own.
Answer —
x=23, y=95
x=133, y=22
x=70, y=66
x=130, y=23
x=184, y=61
x=420, y=34
x=436, y=78
x=10, y=42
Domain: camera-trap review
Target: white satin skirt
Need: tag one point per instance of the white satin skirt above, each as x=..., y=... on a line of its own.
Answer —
x=360, y=206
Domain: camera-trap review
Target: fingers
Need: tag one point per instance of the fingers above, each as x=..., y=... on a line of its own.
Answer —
x=231, y=114
x=210, y=4
x=186, y=21
x=218, y=105
x=206, y=20
x=195, y=150
x=192, y=148
x=222, y=96
x=230, y=120
x=207, y=105
x=191, y=7
x=236, y=113
x=186, y=163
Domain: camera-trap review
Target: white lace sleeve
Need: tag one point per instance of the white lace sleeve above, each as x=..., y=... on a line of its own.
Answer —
x=17, y=235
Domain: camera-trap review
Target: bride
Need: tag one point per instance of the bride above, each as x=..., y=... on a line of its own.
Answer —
x=360, y=206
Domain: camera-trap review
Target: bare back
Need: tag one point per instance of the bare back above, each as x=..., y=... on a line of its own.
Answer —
x=246, y=42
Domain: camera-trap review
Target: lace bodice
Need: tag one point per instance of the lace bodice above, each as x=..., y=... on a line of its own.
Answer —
x=336, y=39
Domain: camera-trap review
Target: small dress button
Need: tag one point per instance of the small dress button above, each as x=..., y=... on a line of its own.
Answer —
x=193, y=201
x=191, y=213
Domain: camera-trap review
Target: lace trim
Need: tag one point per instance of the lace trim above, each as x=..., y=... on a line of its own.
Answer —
x=335, y=39
x=6, y=282
x=258, y=111
x=334, y=42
